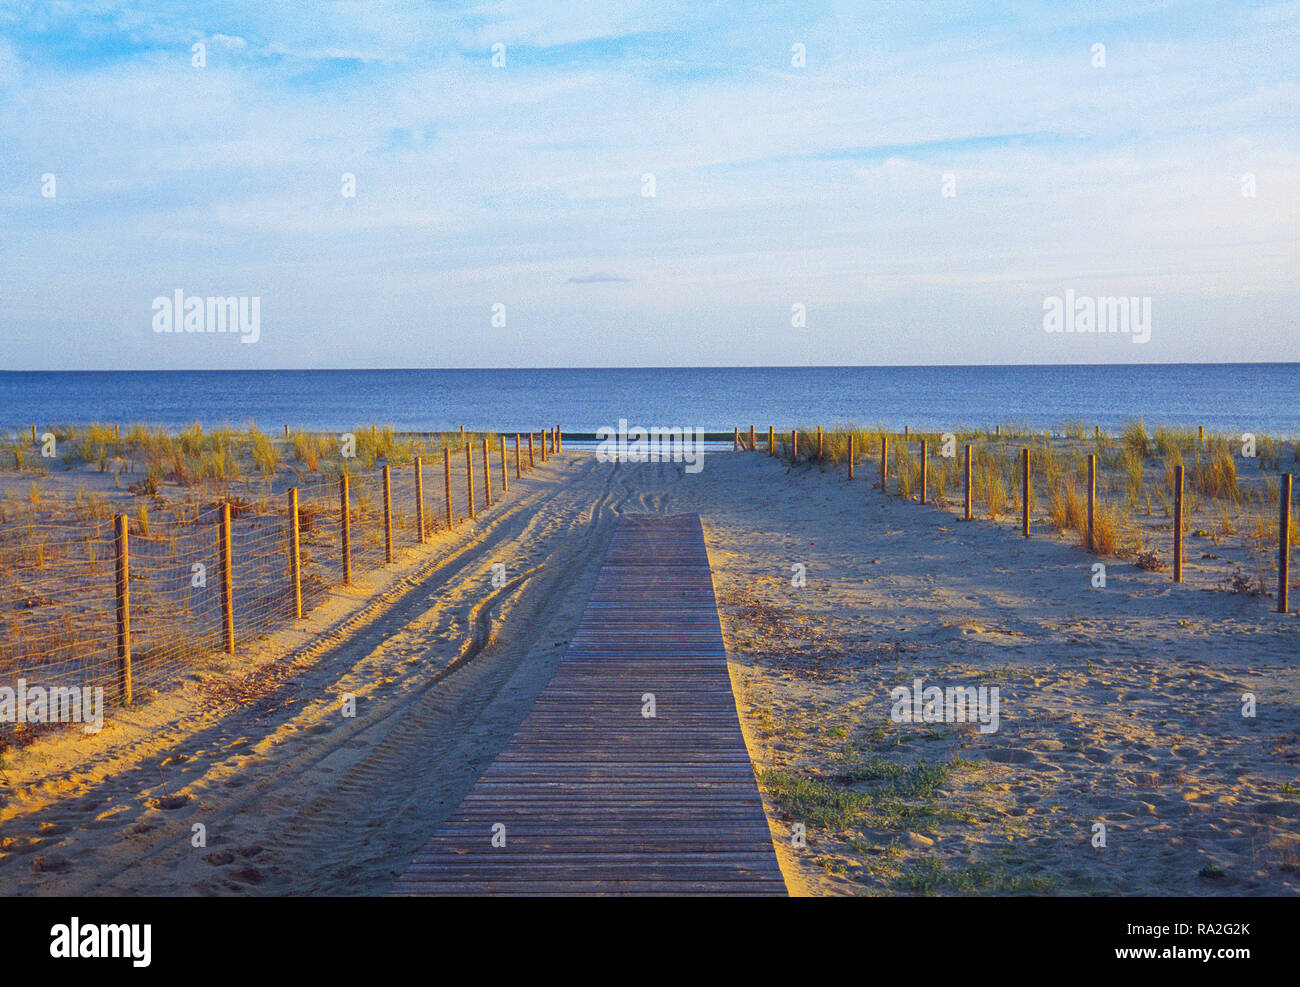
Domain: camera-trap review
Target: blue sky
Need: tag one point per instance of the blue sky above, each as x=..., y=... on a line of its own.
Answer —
x=521, y=185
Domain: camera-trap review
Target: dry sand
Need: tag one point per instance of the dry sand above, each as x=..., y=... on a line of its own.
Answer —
x=1120, y=706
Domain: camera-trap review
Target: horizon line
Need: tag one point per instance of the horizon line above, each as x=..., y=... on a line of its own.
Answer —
x=743, y=366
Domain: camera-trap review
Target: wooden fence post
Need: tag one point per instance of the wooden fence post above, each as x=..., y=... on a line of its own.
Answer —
x=469, y=477
x=123, y=609
x=850, y=455
x=752, y=446
x=487, y=476
x=519, y=470
x=227, y=580
x=530, y=450
x=559, y=439
x=542, y=436
x=419, y=499
x=388, y=515
x=345, y=514
x=884, y=463
x=505, y=473
x=1283, y=540
x=295, y=554
x=446, y=476
x=966, y=471
x=819, y=443
x=794, y=445
x=735, y=443
x=771, y=440
x=1201, y=430
x=1024, y=494
x=925, y=470
x=1178, y=524
x=286, y=431
x=907, y=432
x=1092, y=499
x=33, y=435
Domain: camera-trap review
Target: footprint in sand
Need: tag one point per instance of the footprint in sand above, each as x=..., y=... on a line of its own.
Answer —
x=20, y=844
x=50, y=863
x=1040, y=765
x=1012, y=755
x=1133, y=757
x=1288, y=810
x=247, y=875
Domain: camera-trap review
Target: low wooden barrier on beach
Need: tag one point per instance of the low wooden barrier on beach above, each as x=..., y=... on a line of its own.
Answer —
x=966, y=475
x=1026, y=492
x=1025, y=463
x=925, y=469
x=136, y=606
x=1178, y=524
x=123, y=588
x=1090, y=541
x=1284, y=543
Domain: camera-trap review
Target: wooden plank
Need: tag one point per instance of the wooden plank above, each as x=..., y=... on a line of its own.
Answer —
x=596, y=798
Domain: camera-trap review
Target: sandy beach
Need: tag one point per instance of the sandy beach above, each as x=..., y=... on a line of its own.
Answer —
x=1120, y=706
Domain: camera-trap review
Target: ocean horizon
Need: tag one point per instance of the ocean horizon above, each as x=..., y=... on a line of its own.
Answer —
x=1256, y=397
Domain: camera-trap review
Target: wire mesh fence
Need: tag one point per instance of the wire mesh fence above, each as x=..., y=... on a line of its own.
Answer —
x=62, y=624
x=44, y=636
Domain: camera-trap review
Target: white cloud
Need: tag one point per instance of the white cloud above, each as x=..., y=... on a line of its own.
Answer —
x=773, y=185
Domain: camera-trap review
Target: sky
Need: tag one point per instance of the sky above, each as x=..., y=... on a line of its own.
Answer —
x=852, y=183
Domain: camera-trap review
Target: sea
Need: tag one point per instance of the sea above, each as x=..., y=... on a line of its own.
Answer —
x=1263, y=398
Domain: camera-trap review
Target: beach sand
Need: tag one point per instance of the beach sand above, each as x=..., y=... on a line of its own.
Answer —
x=1119, y=706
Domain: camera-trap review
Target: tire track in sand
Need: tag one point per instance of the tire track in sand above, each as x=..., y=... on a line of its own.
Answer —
x=296, y=811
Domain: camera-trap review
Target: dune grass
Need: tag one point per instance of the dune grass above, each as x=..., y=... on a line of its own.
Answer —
x=1135, y=481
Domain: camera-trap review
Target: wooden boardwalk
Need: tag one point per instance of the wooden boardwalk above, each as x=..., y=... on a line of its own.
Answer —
x=597, y=798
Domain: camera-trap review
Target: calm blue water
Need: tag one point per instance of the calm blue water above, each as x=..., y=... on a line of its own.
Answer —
x=1231, y=397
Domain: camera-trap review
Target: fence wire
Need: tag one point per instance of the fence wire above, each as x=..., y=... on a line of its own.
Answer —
x=59, y=609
